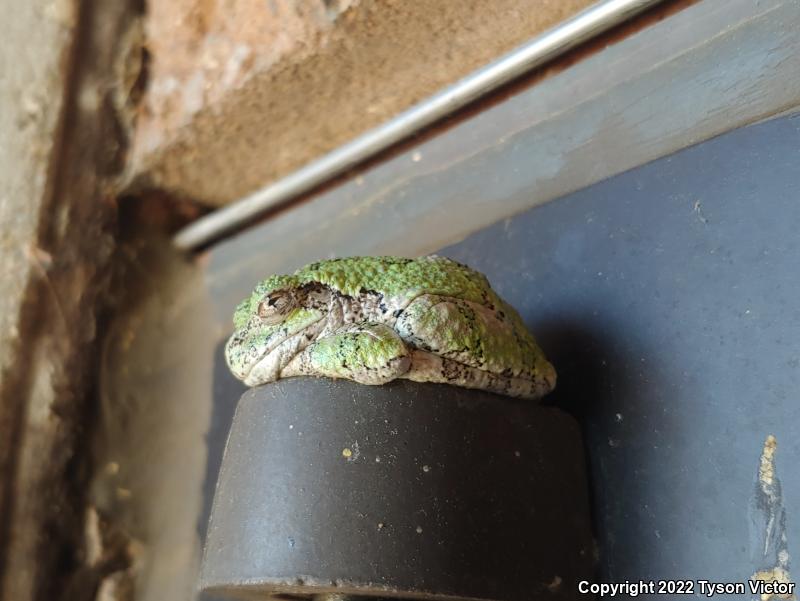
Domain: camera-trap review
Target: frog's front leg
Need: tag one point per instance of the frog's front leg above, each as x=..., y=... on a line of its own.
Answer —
x=368, y=353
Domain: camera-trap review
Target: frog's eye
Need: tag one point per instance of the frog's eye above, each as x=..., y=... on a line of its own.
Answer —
x=275, y=306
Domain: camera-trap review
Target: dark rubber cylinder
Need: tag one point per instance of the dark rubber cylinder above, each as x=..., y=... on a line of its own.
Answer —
x=405, y=490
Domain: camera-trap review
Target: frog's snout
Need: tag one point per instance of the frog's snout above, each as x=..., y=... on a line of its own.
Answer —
x=236, y=358
x=549, y=376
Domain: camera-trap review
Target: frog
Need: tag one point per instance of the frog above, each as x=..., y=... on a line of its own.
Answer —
x=373, y=320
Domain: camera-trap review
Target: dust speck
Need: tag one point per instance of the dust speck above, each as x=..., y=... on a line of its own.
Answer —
x=419, y=529
x=698, y=209
x=426, y=468
x=351, y=453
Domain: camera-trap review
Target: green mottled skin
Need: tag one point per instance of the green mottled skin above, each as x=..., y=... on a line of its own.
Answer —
x=373, y=319
x=391, y=276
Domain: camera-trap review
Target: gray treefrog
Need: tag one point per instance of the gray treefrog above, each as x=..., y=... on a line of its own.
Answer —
x=374, y=319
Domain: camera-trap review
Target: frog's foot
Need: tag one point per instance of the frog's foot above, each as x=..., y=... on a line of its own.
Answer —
x=480, y=346
x=428, y=367
x=460, y=330
x=368, y=353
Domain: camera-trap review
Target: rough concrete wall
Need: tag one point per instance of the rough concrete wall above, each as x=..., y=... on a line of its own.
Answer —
x=31, y=97
x=243, y=92
x=60, y=148
x=32, y=84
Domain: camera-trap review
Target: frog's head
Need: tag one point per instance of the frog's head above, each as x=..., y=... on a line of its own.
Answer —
x=272, y=325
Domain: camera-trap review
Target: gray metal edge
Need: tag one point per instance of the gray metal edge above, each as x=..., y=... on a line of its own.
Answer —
x=712, y=67
x=554, y=42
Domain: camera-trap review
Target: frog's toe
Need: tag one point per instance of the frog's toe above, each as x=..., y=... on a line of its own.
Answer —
x=392, y=369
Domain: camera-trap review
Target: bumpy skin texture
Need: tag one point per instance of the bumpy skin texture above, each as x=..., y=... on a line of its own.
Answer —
x=374, y=319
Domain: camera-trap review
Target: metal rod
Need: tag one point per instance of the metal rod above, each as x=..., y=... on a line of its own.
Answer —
x=556, y=41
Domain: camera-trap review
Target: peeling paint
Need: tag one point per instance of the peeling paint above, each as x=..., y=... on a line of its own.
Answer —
x=769, y=525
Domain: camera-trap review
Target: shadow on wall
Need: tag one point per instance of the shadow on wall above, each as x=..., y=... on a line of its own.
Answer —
x=593, y=377
x=227, y=391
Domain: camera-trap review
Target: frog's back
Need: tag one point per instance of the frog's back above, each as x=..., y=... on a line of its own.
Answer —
x=400, y=277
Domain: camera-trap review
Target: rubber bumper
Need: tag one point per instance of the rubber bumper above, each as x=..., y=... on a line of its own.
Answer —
x=407, y=490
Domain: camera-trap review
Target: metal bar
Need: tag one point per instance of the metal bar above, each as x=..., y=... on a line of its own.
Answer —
x=556, y=41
